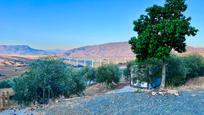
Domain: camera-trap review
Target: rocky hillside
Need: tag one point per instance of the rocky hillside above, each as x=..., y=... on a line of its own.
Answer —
x=117, y=49
x=191, y=49
x=20, y=49
x=111, y=50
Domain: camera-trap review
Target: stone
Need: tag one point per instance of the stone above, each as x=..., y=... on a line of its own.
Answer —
x=173, y=92
x=153, y=93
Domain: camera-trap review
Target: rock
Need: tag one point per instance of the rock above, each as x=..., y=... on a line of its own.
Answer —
x=153, y=93
x=161, y=93
x=173, y=92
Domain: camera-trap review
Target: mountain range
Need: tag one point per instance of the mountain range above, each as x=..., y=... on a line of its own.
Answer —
x=116, y=49
x=20, y=49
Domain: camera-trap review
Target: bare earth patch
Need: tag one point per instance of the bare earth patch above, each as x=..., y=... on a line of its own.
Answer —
x=98, y=89
x=193, y=84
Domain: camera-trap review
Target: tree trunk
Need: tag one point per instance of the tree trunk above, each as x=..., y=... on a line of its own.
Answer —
x=162, y=86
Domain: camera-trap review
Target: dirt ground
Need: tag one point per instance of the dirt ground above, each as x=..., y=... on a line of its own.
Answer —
x=193, y=84
x=98, y=89
x=11, y=71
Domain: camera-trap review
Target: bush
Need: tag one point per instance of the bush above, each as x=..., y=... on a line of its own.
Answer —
x=79, y=81
x=108, y=74
x=127, y=71
x=47, y=78
x=5, y=84
x=179, y=69
x=176, y=71
x=194, y=65
x=89, y=73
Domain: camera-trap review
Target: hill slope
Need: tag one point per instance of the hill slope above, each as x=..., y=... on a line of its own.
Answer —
x=117, y=49
x=20, y=49
x=111, y=50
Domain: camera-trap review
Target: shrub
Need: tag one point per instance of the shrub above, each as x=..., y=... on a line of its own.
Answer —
x=194, y=65
x=176, y=71
x=89, y=73
x=108, y=74
x=47, y=78
x=179, y=69
x=24, y=92
x=80, y=82
x=127, y=71
x=5, y=84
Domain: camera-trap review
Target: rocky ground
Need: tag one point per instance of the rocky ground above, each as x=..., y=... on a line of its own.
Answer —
x=125, y=103
x=130, y=103
x=125, y=100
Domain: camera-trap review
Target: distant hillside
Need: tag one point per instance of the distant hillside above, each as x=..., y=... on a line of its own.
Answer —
x=55, y=51
x=117, y=49
x=110, y=50
x=191, y=49
x=20, y=49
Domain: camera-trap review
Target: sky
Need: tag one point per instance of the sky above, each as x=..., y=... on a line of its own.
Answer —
x=65, y=24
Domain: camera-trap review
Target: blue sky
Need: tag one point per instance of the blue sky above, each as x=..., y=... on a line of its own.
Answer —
x=64, y=24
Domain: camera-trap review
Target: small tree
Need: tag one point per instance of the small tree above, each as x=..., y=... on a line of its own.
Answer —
x=89, y=73
x=109, y=74
x=162, y=29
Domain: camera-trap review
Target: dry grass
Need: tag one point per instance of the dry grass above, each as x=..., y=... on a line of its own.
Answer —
x=193, y=84
x=11, y=71
x=98, y=89
x=95, y=89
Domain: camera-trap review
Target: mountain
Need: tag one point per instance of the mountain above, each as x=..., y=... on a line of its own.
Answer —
x=111, y=50
x=55, y=51
x=20, y=49
x=191, y=49
x=117, y=49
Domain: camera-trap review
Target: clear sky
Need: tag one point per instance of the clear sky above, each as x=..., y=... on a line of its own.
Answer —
x=64, y=24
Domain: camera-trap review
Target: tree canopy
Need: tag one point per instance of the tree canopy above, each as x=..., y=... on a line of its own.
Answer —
x=162, y=29
x=47, y=78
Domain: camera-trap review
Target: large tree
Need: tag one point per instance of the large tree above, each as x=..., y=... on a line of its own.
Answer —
x=159, y=31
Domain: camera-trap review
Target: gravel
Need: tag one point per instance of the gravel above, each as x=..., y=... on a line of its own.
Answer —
x=130, y=103
x=123, y=90
x=189, y=103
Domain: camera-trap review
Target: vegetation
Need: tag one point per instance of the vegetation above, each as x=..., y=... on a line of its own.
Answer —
x=162, y=29
x=6, y=84
x=47, y=78
x=108, y=74
x=176, y=71
x=194, y=65
x=127, y=71
x=89, y=73
x=179, y=69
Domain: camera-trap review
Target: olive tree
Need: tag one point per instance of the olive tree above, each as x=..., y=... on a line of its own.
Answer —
x=47, y=78
x=108, y=74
